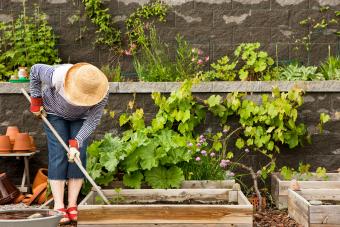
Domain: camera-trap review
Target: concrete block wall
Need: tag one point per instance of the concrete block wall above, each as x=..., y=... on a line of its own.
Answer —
x=321, y=97
x=216, y=26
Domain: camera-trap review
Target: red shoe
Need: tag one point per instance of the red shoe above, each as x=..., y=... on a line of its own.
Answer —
x=72, y=213
x=66, y=219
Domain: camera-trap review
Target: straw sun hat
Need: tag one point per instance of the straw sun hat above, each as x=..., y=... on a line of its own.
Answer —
x=85, y=85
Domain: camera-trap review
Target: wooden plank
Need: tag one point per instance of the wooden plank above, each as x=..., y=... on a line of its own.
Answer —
x=280, y=187
x=187, y=184
x=171, y=195
x=325, y=214
x=321, y=194
x=243, y=200
x=166, y=225
x=298, y=208
x=111, y=214
x=208, y=184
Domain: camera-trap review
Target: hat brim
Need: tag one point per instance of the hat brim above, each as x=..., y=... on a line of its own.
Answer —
x=75, y=96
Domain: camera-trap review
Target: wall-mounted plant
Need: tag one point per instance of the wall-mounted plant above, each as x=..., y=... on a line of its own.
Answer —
x=316, y=26
x=249, y=63
x=106, y=33
x=142, y=19
x=154, y=62
x=26, y=41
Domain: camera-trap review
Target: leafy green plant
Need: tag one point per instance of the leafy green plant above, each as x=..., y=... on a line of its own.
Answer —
x=318, y=25
x=142, y=19
x=107, y=34
x=254, y=63
x=154, y=62
x=26, y=41
x=303, y=173
x=295, y=72
x=168, y=150
x=249, y=64
x=331, y=68
x=113, y=73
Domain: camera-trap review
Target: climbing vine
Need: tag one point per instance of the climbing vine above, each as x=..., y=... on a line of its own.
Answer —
x=106, y=33
x=135, y=23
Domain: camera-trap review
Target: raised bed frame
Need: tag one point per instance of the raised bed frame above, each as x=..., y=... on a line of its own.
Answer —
x=153, y=212
x=187, y=184
x=279, y=187
x=314, y=215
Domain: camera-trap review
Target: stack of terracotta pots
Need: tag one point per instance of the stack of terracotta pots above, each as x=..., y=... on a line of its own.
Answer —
x=14, y=141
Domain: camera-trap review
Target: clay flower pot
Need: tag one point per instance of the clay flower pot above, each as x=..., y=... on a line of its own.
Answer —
x=5, y=144
x=12, y=132
x=22, y=143
x=8, y=191
x=40, y=178
x=34, y=148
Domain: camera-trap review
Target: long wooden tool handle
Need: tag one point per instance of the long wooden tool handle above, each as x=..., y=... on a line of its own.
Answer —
x=76, y=159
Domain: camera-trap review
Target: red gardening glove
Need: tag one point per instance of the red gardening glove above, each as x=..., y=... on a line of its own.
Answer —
x=36, y=107
x=74, y=150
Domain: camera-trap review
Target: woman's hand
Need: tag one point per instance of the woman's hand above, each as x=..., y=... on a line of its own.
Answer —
x=74, y=150
x=37, y=108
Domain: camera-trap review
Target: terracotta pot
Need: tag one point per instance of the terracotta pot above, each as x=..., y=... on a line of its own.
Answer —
x=34, y=148
x=22, y=143
x=8, y=191
x=40, y=178
x=5, y=144
x=12, y=132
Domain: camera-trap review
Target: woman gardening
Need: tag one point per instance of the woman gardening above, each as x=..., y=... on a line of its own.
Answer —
x=73, y=100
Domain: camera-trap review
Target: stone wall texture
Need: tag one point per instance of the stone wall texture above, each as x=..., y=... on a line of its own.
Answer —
x=320, y=97
x=216, y=26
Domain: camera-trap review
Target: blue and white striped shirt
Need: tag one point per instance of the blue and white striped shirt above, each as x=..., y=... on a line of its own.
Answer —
x=54, y=103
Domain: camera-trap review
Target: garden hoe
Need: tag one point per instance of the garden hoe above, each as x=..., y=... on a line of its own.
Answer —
x=76, y=159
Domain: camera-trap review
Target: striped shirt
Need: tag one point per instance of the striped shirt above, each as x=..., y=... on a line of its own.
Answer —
x=54, y=101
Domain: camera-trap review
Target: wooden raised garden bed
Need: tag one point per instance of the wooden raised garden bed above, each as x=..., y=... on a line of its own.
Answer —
x=302, y=208
x=279, y=187
x=188, y=184
x=167, y=206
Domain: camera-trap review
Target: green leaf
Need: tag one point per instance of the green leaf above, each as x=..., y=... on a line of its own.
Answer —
x=239, y=143
x=324, y=118
x=213, y=100
x=133, y=180
x=123, y=119
x=286, y=173
x=161, y=177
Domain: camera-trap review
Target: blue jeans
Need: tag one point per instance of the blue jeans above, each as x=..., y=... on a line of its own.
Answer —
x=58, y=166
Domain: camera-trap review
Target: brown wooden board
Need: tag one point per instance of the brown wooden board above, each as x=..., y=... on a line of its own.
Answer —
x=279, y=187
x=301, y=210
x=104, y=215
x=188, y=184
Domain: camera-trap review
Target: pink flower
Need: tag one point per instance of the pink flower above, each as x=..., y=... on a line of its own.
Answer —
x=128, y=52
x=224, y=163
x=204, y=153
x=212, y=154
x=190, y=144
x=199, y=52
x=200, y=62
x=198, y=144
x=133, y=46
x=207, y=58
x=231, y=174
x=198, y=159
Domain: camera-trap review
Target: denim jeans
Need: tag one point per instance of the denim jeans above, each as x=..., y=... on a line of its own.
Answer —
x=58, y=166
